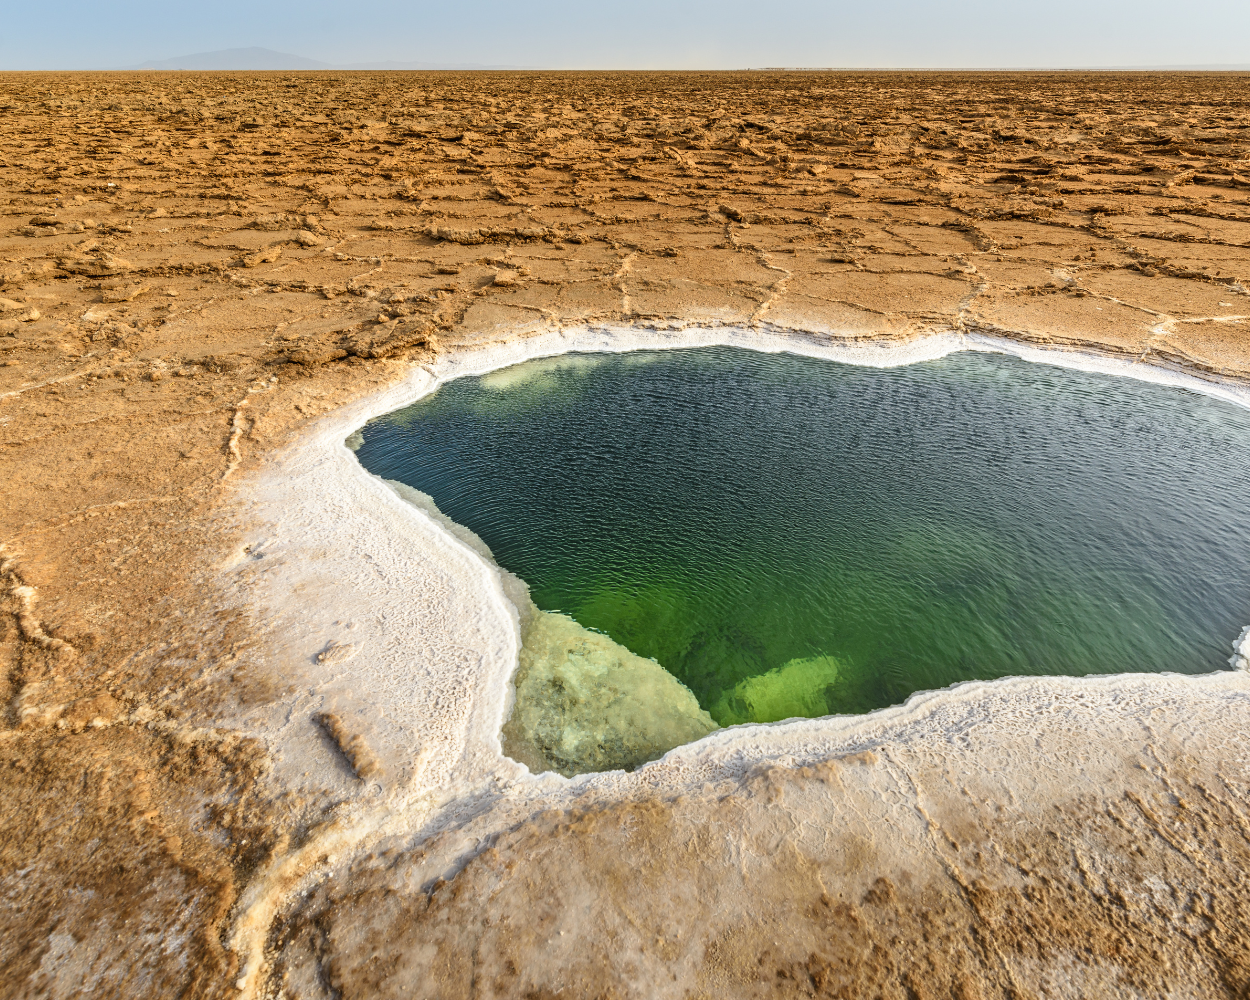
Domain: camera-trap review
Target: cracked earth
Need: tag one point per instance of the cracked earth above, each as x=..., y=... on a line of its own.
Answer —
x=193, y=267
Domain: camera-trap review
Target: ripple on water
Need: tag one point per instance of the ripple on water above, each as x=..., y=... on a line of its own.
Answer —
x=789, y=536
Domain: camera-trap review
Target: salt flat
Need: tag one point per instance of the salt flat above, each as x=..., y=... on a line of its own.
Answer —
x=209, y=276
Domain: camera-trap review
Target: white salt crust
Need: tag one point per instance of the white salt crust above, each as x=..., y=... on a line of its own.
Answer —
x=379, y=613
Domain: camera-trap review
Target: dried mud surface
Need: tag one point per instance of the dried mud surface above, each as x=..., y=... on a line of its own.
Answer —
x=802, y=882
x=194, y=266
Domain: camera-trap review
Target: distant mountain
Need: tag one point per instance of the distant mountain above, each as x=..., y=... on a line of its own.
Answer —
x=267, y=59
x=253, y=58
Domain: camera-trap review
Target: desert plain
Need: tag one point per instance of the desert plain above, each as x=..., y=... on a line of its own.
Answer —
x=197, y=269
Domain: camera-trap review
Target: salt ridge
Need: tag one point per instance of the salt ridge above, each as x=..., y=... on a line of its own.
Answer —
x=425, y=641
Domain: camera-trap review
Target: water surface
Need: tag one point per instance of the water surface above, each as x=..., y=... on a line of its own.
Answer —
x=794, y=536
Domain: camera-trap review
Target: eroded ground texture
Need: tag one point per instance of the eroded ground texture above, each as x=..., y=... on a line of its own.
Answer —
x=195, y=266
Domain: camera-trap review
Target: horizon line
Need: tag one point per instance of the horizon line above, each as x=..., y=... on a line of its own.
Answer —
x=1183, y=68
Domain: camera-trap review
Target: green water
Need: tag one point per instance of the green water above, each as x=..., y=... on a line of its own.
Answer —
x=791, y=536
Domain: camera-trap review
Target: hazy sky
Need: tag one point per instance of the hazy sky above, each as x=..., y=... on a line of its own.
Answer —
x=594, y=34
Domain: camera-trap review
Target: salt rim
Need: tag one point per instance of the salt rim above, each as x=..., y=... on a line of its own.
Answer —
x=337, y=564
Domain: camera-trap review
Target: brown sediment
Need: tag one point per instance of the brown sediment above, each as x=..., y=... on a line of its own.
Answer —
x=196, y=266
x=794, y=883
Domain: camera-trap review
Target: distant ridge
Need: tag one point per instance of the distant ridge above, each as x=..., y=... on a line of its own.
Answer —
x=423, y=65
x=1205, y=68
x=253, y=58
x=267, y=59
x=256, y=58
x=1198, y=68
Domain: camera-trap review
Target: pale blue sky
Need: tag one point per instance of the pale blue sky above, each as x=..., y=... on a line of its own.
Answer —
x=649, y=34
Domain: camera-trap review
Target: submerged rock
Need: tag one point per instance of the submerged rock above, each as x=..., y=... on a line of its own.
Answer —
x=583, y=702
x=798, y=688
x=586, y=703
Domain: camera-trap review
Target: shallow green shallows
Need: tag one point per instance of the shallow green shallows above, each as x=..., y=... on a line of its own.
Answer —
x=791, y=536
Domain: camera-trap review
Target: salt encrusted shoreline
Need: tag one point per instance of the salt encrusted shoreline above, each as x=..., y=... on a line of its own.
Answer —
x=382, y=618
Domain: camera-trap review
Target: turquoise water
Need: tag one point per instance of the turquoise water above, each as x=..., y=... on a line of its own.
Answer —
x=792, y=536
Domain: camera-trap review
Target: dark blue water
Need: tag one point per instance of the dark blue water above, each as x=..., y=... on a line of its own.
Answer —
x=780, y=531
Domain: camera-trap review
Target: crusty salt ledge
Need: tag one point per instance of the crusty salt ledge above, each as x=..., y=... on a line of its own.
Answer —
x=398, y=641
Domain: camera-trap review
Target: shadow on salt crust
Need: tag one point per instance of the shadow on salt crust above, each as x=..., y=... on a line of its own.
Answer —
x=583, y=702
